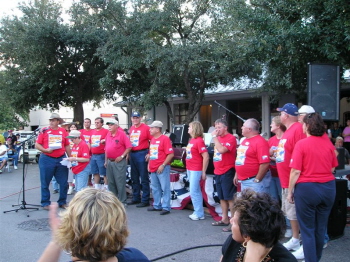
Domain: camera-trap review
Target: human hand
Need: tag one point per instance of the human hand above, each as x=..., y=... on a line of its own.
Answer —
x=54, y=219
x=235, y=180
x=290, y=198
x=204, y=176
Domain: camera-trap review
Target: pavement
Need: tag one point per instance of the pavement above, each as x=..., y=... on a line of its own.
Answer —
x=25, y=234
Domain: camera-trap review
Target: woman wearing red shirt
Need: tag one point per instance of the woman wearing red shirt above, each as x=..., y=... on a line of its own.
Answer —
x=197, y=159
x=311, y=179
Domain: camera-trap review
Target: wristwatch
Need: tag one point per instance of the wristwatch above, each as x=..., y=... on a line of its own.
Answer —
x=256, y=180
x=163, y=165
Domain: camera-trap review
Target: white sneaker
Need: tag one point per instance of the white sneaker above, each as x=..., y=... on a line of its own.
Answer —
x=292, y=244
x=70, y=191
x=195, y=218
x=288, y=233
x=15, y=167
x=325, y=245
x=299, y=254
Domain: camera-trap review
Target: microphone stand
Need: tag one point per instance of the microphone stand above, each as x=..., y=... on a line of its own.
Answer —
x=23, y=205
x=220, y=105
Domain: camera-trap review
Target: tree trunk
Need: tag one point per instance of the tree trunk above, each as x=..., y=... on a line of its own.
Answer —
x=78, y=114
x=169, y=112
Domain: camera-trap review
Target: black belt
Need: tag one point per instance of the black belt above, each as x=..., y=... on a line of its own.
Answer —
x=247, y=178
x=55, y=157
x=134, y=151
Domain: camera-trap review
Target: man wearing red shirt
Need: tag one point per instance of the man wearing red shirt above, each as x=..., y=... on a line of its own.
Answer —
x=117, y=148
x=80, y=158
x=224, y=168
x=97, y=147
x=52, y=142
x=252, y=162
x=86, y=132
x=139, y=138
x=294, y=133
x=160, y=155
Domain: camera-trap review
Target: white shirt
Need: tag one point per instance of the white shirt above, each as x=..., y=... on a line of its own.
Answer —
x=2, y=149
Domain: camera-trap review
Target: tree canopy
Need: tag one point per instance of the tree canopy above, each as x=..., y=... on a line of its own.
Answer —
x=149, y=51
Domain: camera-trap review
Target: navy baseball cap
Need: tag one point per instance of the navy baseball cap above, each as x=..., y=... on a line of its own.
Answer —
x=290, y=109
x=135, y=114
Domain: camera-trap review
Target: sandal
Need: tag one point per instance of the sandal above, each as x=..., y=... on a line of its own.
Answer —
x=220, y=223
x=227, y=229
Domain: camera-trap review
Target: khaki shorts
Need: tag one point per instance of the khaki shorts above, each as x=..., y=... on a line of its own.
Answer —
x=288, y=208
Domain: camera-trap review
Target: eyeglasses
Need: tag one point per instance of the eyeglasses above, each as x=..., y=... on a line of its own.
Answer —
x=310, y=115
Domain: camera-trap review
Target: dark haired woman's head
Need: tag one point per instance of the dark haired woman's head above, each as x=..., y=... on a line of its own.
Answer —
x=257, y=217
x=314, y=124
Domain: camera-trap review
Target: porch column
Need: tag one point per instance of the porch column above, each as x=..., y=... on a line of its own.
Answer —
x=266, y=115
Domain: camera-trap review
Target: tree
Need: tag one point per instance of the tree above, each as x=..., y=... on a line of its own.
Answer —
x=286, y=35
x=167, y=48
x=50, y=63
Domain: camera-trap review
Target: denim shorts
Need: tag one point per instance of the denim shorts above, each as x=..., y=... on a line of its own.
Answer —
x=97, y=163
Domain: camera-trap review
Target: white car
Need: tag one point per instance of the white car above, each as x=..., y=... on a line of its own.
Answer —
x=33, y=154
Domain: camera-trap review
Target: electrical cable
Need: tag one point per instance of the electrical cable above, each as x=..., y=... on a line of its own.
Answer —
x=185, y=249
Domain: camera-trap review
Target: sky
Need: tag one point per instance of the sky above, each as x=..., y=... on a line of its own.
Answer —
x=9, y=7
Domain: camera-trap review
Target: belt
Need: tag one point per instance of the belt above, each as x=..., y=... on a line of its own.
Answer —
x=54, y=157
x=99, y=154
x=247, y=178
x=134, y=151
x=112, y=159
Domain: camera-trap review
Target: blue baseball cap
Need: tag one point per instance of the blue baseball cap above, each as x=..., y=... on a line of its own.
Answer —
x=290, y=109
x=135, y=114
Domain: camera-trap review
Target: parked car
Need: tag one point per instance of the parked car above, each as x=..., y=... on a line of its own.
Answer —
x=28, y=137
x=33, y=154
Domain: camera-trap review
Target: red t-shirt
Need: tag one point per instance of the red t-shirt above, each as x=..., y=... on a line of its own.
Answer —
x=250, y=154
x=86, y=135
x=140, y=137
x=158, y=150
x=194, y=150
x=80, y=150
x=116, y=145
x=273, y=145
x=226, y=161
x=96, y=146
x=55, y=139
x=285, y=150
x=314, y=157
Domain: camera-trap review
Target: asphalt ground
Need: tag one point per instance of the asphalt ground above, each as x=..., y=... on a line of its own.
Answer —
x=25, y=234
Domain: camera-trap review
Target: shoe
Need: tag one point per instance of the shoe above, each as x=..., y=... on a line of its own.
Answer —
x=288, y=233
x=291, y=245
x=64, y=206
x=15, y=167
x=195, y=218
x=133, y=202
x=153, y=209
x=142, y=204
x=164, y=212
x=299, y=254
x=55, y=191
x=0, y=171
x=46, y=208
x=70, y=191
x=325, y=245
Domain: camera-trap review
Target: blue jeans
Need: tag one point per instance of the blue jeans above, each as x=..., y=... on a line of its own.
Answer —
x=51, y=167
x=15, y=159
x=262, y=186
x=81, y=179
x=275, y=188
x=195, y=192
x=97, y=163
x=160, y=184
x=313, y=203
x=55, y=184
x=139, y=171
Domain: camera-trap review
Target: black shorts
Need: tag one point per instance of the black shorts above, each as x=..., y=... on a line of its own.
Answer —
x=224, y=185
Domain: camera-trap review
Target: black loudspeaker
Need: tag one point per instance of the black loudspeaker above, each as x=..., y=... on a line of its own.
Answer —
x=337, y=217
x=210, y=169
x=341, y=158
x=323, y=90
x=181, y=134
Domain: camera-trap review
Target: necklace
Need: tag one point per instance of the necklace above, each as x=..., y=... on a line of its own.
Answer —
x=241, y=253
